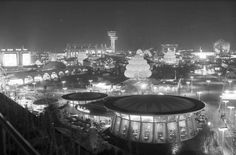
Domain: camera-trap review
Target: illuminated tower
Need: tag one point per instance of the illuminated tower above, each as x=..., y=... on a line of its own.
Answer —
x=113, y=38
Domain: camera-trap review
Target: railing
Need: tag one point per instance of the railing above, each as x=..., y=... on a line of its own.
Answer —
x=9, y=137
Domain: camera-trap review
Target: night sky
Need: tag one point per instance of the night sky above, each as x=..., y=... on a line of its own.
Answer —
x=50, y=25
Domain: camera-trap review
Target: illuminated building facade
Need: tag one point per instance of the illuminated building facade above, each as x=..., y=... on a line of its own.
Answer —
x=41, y=57
x=81, y=100
x=169, y=51
x=15, y=57
x=169, y=47
x=154, y=118
x=203, y=55
x=74, y=50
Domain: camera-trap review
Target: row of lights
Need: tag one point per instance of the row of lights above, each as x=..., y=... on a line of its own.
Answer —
x=10, y=49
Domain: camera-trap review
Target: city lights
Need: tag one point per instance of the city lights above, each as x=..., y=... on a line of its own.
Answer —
x=105, y=78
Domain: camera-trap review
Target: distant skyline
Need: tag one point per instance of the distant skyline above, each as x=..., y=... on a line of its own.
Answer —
x=139, y=24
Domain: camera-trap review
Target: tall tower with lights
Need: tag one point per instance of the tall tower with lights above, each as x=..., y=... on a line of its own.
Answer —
x=113, y=38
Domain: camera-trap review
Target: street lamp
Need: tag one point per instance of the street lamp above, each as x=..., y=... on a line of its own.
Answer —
x=230, y=82
x=191, y=77
x=64, y=88
x=208, y=83
x=219, y=74
x=122, y=91
x=90, y=85
x=143, y=87
x=188, y=83
x=7, y=89
x=34, y=83
x=225, y=101
x=222, y=129
x=234, y=120
x=199, y=95
x=90, y=81
x=63, y=83
x=230, y=112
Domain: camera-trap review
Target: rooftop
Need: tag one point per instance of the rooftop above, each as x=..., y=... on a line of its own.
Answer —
x=153, y=104
x=84, y=96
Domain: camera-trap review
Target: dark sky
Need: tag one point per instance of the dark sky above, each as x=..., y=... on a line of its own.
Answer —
x=139, y=24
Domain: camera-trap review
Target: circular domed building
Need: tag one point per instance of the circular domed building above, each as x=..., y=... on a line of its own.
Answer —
x=154, y=118
x=89, y=105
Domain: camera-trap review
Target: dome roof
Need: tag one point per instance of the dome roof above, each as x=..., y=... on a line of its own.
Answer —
x=153, y=104
x=52, y=65
x=84, y=96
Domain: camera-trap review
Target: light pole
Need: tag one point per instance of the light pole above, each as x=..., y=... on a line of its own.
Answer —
x=64, y=89
x=15, y=92
x=7, y=89
x=225, y=101
x=90, y=85
x=63, y=83
x=234, y=120
x=208, y=83
x=199, y=95
x=90, y=81
x=219, y=74
x=230, y=82
x=143, y=87
x=222, y=129
x=34, y=83
x=191, y=77
x=188, y=83
x=230, y=112
x=122, y=91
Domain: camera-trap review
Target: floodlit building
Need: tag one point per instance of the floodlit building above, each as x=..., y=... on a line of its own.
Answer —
x=15, y=57
x=154, y=118
x=203, y=55
x=205, y=70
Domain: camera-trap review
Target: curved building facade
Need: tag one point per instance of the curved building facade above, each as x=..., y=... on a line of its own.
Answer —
x=89, y=106
x=154, y=118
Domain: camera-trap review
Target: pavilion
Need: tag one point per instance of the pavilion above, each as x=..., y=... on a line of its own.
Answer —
x=154, y=118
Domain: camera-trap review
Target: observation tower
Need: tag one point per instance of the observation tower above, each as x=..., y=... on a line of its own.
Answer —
x=113, y=38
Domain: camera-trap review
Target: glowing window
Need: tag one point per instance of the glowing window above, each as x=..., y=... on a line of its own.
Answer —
x=147, y=118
